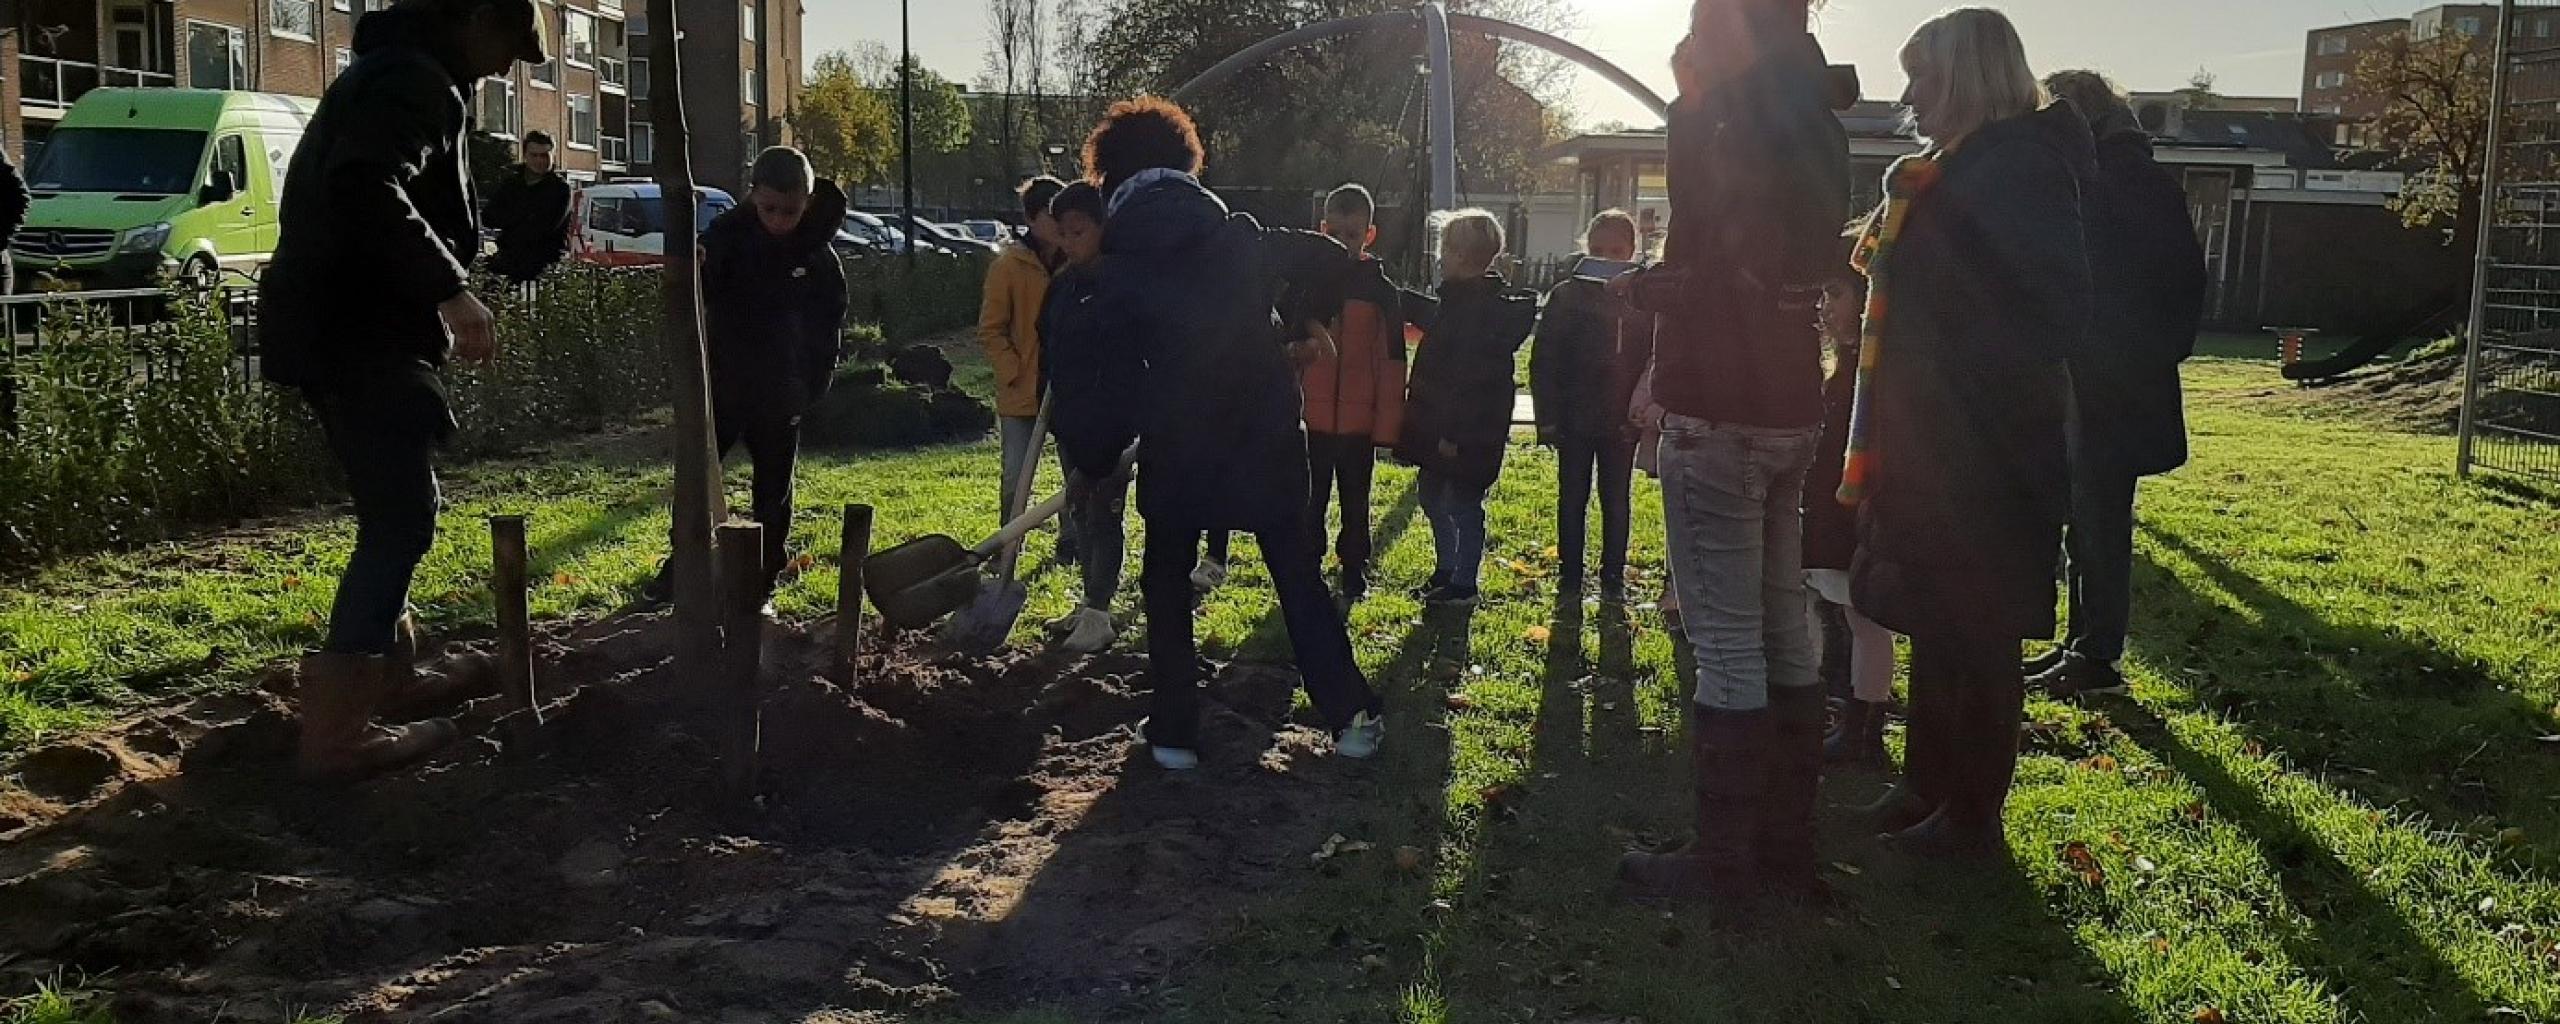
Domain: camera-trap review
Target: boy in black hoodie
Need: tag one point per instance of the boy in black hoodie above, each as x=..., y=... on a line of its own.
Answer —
x=774, y=299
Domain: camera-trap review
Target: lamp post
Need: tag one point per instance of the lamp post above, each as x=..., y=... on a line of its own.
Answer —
x=907, y=117
x=1055, y=151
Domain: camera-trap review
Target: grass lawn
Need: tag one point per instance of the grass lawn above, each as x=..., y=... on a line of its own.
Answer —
x=2330, y=797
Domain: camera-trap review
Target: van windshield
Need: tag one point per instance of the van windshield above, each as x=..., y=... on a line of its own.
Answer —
x=124, y=160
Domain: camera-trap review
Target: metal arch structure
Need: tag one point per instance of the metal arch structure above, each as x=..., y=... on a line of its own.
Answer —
x=1437, y=25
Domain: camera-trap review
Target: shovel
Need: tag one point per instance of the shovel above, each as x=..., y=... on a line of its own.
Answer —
x=986, y=622
x=919, y=582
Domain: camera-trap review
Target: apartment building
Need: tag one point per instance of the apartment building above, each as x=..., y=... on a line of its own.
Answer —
x=2329, y=62
x=592, y=97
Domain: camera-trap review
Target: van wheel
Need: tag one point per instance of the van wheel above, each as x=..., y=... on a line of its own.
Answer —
x=201, y=273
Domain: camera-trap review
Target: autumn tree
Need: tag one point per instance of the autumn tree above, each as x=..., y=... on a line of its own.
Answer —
x=1017, y=63
x=848, y=129
x=2434, y=95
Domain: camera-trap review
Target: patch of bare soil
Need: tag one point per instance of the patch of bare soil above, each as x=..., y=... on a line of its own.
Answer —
x=948, y=835
x=2424, y=395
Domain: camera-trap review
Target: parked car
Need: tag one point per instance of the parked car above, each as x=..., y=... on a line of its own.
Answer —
x=623, y=223
x=137, y=183
x=992, y=232
x=948, y=236
x=871, y=228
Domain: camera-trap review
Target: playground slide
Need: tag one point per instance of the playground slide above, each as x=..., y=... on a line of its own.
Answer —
x=2440, y=313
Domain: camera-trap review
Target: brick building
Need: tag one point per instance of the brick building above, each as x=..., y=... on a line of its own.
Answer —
x=2329, y=60
x=591, y=98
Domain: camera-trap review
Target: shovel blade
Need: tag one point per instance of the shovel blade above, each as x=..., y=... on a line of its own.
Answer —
x=983, y=626
x=914, y=583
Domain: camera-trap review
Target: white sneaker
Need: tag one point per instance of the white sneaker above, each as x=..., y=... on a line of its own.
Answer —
x=1175, y=759
x=1360, y=741
x=1209, y=575
x=1091, y=633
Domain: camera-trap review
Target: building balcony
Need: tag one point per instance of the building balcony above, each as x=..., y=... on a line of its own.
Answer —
x=51, y=84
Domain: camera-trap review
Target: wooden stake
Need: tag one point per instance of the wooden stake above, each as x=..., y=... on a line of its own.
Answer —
x=857, y=550
x=515, y=620
x=741, y=661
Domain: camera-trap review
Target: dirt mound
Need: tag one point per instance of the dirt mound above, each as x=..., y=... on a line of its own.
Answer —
x=2424, y=393
x=947, y=834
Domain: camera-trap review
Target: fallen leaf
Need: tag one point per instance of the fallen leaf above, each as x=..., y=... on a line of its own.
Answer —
x=2077, y=859
x=2208, y=1015
x=804, y=562
x=563, y=579
x=2144, y=865
x=1460, y=702
x=2255, y=749
x=2160, y=946
x=2488, y=905
x=2511, y=837
x=1357, y=846
x=1332, y=846
x=1408, y=859
x=1538, y=634
x=1374, y=962
x=293, y=583
x=2100, y=763
x=2196, y=811
x=1894, y=982
x=1846, y=868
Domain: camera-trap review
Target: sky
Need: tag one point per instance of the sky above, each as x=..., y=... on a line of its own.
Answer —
x=2254, y=47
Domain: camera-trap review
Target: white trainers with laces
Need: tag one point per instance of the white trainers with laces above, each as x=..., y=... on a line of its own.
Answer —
x=1360, y=740
x=1209, y=575
x=1092, y=632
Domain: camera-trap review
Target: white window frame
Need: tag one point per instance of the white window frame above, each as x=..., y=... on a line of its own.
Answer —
x=747, y=21
x=239, y=48
x=514, y=107
x=567, y=14
x=2333, y=46
x=644, y=142
x=2467, y=25
x=569, y=119
x=276, y=8
x=639, y=75
x=340, y=60
x=2330, y=80
x=747, y=82
x=341, y=6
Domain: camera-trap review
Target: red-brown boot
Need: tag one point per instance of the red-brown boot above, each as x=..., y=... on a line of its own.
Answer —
x=339, y=740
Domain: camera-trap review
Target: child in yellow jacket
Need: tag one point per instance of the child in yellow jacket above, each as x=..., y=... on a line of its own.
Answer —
x=1009, y=329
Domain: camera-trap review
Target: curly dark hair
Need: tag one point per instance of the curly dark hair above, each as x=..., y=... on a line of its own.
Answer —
x=1142, y=134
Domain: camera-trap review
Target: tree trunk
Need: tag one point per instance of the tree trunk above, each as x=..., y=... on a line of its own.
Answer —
x=698, y=503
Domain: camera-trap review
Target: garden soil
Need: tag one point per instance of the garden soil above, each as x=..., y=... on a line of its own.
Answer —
x=945, y=836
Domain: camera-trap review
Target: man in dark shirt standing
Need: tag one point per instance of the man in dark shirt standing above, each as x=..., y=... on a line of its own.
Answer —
x=530, y=212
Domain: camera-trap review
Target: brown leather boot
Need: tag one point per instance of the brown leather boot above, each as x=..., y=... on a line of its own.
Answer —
x=1786, y=843
x=410, y=688
x=1728, y=758
x=339, y=740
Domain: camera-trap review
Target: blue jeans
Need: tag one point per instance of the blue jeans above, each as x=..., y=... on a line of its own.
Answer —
x=1456, y=512
x=1732, y=500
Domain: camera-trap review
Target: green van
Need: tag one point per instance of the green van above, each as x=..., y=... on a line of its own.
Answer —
x=135, y=184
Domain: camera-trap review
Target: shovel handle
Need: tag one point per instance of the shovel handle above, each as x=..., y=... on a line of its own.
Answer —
x=1014, y=531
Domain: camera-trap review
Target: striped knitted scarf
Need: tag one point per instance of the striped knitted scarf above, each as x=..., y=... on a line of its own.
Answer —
x=1910, y=178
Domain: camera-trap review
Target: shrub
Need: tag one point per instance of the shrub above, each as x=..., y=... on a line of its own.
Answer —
x=940, y=294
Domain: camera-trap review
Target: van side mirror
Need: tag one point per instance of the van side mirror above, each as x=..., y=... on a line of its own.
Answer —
x=218, y=188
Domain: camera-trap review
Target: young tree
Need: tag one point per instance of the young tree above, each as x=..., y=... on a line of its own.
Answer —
x=698, y=504
x=848, y=129
x=1015, y=59
x=2435, y=96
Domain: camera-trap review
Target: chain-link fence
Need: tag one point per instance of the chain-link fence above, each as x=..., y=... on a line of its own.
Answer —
x=2511, y=393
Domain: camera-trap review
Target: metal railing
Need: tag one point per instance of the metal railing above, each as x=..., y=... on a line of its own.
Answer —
x=2511, y=373
x=55, y=83
x=137, y=322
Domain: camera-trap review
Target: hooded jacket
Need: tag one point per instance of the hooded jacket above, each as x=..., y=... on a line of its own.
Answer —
x=775, y=308
x=377, y=228
x=1009, y=327
x=2148, y=275
x=1359, y=390
x=1591, y=349
x=1465, y=377
x=532, y=220
x=1989, y=292
x=1759, y=169
x=1196, y=295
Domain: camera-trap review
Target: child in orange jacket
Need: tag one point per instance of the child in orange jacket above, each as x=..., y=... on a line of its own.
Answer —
x=1355, y=393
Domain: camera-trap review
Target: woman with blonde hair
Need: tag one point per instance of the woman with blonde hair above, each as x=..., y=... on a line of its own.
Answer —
x=1979, y=285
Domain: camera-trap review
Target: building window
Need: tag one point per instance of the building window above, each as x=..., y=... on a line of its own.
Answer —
x=639, y=78
x=346, y=58
x=547, y=73
x=498, y=111
x=217, y=56
x=298, y=19
x=582, y=121
x=340, y=5
x=639, y=22
x=2542, y=28
x=747, y=21
x=578, y=37
x=2333, y=46
x=747, y=86
x=2467, y=26
x=644, y=142
x=2330, y=80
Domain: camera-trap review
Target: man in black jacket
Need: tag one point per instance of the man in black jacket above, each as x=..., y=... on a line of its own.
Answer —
x=368, y=294
x=2127, y=418
x=774, y=302
x=530, y=211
